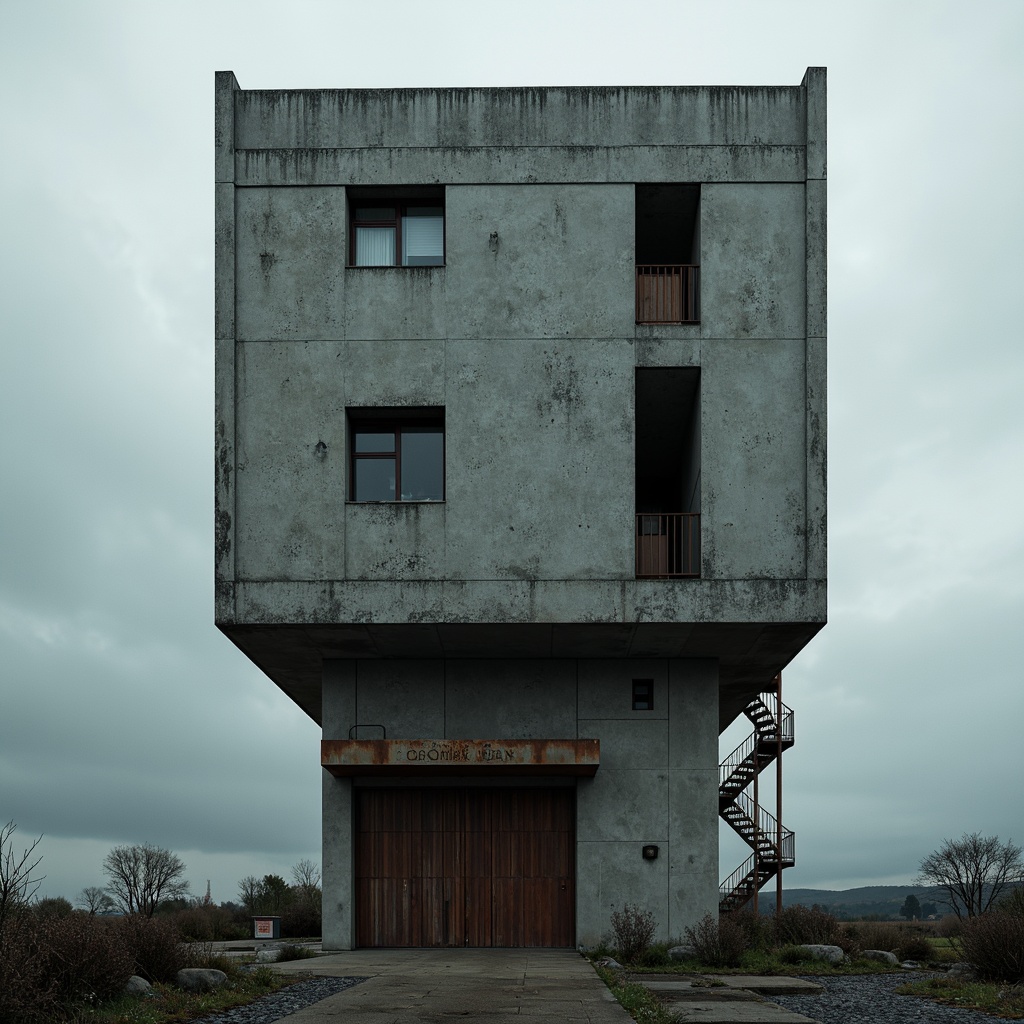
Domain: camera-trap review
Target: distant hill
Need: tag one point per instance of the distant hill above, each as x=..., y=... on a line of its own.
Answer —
x=865, y=901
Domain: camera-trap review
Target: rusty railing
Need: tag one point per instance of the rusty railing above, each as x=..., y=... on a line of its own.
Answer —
x=667, y=293
x=667, y=544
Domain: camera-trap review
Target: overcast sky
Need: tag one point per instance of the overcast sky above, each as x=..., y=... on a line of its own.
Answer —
x=126, y=717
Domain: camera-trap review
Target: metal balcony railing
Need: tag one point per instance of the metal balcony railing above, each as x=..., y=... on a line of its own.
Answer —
x=667, y=545
x=667, y=293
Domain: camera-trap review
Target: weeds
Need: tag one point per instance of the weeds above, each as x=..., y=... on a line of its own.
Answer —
x=1001, y=1001
x=639, y=1002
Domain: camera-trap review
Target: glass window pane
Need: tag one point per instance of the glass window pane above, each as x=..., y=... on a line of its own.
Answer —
x=375, y=480
x=423, y=237
x=369, y=441
x=375, y=213
x=375, y=247
x=422, y=464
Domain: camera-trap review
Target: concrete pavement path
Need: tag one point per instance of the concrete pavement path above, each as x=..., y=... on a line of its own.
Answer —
x=494, y=986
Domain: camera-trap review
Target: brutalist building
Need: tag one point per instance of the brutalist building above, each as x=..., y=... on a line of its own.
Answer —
x=520, y=478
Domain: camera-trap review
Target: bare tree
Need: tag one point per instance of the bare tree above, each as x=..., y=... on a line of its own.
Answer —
x=18, y=883
x=143, y=875
x=972, y=872
x=250, y=889
x=95, y=900
x=306, y=875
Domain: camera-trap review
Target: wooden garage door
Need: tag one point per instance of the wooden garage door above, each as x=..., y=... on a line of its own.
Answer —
x=465, y=867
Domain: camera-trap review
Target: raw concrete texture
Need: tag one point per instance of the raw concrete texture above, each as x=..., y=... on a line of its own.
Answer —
x=611, y=874
x=509, y=250
x=406, y=697
x=500, y=986
x=621, y=805
x=455, y=119
x=753, y=261
x=511, y=699
x=693, y=713
x=532, y=429
x=628, y=744
x=394, y=540
x=606, y=688
x=338, y=881
x=290, y=243
x=290, y=465
x=753, y=469
x=395, y=303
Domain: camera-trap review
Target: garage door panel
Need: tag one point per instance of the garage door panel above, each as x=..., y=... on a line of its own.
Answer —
x=465, y=867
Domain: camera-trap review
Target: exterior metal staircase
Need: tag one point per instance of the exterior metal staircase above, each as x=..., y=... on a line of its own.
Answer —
x=772, y=844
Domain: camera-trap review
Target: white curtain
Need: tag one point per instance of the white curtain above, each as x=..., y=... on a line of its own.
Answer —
x=375, y=247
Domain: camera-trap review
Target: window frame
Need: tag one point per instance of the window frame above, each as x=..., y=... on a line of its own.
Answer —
x=399, y=199
x=393, y=421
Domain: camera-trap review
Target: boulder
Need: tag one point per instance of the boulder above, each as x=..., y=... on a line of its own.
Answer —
x=910, y=965
x=962, y=971
x=610, y=962
x=137, y=986
x=684, y=952
x=830, y=954
x=268, y=956
x=200, y=979
x=881, y=955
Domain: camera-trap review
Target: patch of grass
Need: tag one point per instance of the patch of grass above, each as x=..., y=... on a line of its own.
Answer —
x=772, y=962
x=289, y=951
x=169, y=1005
x=639, y=1002
x=1000, y=1000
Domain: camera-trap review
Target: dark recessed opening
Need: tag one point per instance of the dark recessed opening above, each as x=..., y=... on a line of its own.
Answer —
x=643, y=694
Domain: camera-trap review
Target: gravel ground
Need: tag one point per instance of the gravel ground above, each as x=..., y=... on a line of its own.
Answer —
x=279, y=1004
x=869, y=999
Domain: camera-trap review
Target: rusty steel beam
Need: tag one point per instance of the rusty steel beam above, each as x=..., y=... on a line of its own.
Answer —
x=461, y=757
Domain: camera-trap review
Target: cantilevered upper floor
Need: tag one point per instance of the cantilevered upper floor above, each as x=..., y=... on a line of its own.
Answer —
x=523, y=373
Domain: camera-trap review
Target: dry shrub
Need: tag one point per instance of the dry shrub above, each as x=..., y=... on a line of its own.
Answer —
x=51, y=965
x=949, y=927
x=155, y=945
x=208, y=924
x=86, y=958
x=633, y=931
x=801, y=926
x=718, y=943
x=993, y=944
x=757, y=929
x=301, y=920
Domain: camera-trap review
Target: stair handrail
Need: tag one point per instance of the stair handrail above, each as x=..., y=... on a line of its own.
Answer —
x=729, y=886
x=770, y=702
x=740, y=755
x=766, y=821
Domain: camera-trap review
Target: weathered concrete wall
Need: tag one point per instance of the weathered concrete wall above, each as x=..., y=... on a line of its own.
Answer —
x=658, y=780
x=526, y=338
x=523, y=339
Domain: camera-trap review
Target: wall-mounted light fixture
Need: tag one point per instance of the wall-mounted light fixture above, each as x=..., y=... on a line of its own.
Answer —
x=650, y=853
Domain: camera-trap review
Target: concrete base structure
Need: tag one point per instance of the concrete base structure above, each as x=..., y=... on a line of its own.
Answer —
x=657, y=784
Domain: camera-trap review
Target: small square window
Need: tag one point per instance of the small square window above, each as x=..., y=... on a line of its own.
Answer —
x=643, y=694
x=396, y=455
x=398, y=229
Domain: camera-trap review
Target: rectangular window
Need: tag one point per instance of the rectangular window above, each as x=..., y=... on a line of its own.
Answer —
x=396, y=229
x=643, y=694
x=396, y=455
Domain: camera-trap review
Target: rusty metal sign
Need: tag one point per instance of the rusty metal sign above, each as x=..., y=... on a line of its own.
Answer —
x=461, y=757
